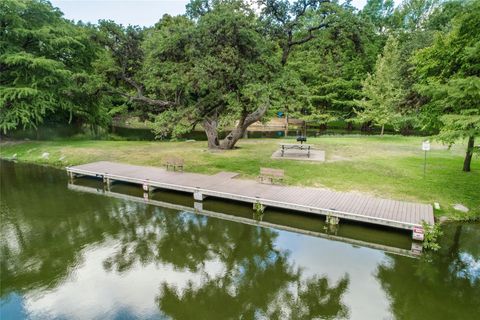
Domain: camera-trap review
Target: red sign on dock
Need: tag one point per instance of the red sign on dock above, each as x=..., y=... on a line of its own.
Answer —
x=418, y=233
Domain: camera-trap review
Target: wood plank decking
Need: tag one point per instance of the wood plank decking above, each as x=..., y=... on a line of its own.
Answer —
x=351, y=206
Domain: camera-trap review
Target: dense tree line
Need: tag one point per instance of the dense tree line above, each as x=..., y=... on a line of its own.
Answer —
x=226, y=64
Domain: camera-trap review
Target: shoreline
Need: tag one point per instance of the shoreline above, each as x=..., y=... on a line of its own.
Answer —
x=389, y=168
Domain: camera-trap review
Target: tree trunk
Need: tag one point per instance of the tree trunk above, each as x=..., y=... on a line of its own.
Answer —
x=468, y=155
x=232, y=138
x=286, y=125
x=211, y=125
x=453, y=251
x=366, y=126
x=383, y=129
x=285, y=54
x=349, y=126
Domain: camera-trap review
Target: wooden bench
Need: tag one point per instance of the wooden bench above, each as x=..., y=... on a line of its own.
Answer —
x=272, y=175
x=174, y=163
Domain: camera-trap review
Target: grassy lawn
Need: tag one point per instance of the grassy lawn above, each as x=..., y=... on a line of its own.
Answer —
x=389, y=166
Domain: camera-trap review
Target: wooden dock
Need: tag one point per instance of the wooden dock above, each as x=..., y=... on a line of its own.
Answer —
x=224, y=185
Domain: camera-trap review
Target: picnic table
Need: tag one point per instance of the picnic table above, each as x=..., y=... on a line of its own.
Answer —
x=297, y=146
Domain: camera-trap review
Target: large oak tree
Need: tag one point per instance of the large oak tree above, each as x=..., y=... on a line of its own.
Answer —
x=217, y=69
x=223, y=67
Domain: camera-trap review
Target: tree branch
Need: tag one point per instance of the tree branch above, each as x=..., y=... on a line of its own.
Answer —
x=290, y=18
x=255, y=116
x=141, y=98
x=310, y=35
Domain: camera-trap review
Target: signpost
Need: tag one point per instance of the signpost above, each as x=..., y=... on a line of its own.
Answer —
x=425, y=147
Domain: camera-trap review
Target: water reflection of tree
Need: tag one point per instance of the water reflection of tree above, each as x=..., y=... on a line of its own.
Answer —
x=439, y=285
x=45, y=228
x=218, y=298
x=256, y=277
x=316, y=299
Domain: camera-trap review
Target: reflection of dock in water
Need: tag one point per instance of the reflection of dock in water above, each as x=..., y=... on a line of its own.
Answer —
x=198, y=207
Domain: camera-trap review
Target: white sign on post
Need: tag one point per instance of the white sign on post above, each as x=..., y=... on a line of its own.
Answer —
x=426, y=145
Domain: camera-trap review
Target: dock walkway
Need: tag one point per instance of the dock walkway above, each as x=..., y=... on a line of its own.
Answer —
x=344, y=205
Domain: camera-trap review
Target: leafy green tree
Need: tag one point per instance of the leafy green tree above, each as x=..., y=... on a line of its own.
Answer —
x=379, y=13
x=449, y=76
x=413, y=37
x=294, y=23
x=200, y=70
x=218, y=69
x=124, y=65
x=413, y=15
x=442, y=15
x=46, y=67
x=383, y=89
x=334, y=64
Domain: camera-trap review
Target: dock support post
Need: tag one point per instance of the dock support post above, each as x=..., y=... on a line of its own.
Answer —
x=417, y=248
x=71, y=176
x=107, y=181
x=258, y=207
x=198, y=196
x=147, y=190
x=332, y=224
x=198, y=206
x=332, y=220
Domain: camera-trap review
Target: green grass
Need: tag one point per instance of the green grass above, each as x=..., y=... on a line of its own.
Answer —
x=389, y=166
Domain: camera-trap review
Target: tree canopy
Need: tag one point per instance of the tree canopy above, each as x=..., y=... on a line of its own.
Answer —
x=46, y=67
x=226, y=64
x=449, y=75
x=383, y=90
x=218, y=69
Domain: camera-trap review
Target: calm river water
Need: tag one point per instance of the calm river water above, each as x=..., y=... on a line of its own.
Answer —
x=74, y=253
